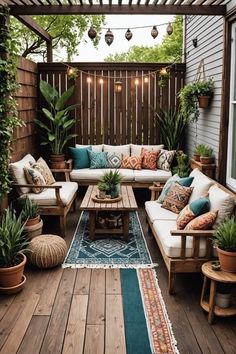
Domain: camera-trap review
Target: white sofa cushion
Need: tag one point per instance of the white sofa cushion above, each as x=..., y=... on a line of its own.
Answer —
x=93, y=175
x=114, y=154
x=172, y=244
x=201, y=184
x=149, y=176
x=136, y=149
x=17, y=171
x=156, y=212
x=221, y=201
x=48, y=196
x=95, y=148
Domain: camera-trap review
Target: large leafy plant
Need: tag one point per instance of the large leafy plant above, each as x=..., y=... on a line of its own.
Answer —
x=171, y=124
x=58, y=121
x=11, y=239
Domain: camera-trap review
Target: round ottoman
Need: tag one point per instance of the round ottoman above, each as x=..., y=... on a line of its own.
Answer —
x=47, y=251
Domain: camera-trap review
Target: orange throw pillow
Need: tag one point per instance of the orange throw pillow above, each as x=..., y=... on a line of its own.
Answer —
x=149, y=158
x=132, y=162
x=203, y=222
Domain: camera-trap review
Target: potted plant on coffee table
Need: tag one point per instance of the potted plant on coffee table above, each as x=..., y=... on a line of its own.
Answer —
x=225, y=240
x=58, y=123
x=112, y=179
x=102, y=189
x=12, y=258
x=206, y=154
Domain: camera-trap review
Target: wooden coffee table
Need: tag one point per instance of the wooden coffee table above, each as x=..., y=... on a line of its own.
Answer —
x=124, y=206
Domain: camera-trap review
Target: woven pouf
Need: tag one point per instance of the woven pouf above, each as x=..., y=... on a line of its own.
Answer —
x=47, y=251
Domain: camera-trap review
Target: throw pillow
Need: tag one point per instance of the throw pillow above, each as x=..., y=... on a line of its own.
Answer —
x=34, y=177
x=201, y=184
x=165, y=159
x=191, y=211
x=45, y=171
x=185, y=181
x=177, y=198
x=203, y=222
x=17, y=172
x=98, y=159
x=114, y=160
x=169, y=183
x=80, y=157
x=149, y=159
x=132, y=162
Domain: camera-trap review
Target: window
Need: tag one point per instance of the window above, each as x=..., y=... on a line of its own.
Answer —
x=231, y=155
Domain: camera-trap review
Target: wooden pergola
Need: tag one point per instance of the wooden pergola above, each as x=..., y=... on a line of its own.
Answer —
x=23, y=9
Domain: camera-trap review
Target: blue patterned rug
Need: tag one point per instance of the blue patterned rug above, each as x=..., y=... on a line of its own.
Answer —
x=108, y=252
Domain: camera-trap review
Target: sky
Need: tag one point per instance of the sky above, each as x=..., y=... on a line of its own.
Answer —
x=120, y=44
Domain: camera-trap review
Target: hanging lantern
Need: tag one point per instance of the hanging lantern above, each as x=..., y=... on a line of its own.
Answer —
x=118, y=86
x=154, y=32
x=109, y=37
x=128, y=35
x=92, y=32
x=72, y=72
x=169, y=29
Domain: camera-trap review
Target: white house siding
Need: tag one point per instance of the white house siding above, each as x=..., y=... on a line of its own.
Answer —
x=209, y=32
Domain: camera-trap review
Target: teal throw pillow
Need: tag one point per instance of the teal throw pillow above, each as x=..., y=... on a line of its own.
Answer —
x=200, y=206
x=98, y=159
x=186, y=181
x=166, y=187
x=80, y=157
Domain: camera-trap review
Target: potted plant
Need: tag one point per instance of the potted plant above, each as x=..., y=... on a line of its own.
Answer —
x=183, y=165
x=206, y=154
x=197, y=152
x=30, y=215
x=102, y=188
x=56, y=129
x=112, y=179
x=12, y=258
x=191, y=94
x=225, y=240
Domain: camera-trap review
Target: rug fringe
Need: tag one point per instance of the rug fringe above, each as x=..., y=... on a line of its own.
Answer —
x=110, y=266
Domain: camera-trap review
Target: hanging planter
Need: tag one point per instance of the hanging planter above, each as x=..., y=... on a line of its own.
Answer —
x=204, y=101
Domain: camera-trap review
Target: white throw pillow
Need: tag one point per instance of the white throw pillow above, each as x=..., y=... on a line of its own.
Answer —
x=201, y=184
x=95, y=148
x=114, y=154
x=17, y=171
x=136, y=149
x=221, y=201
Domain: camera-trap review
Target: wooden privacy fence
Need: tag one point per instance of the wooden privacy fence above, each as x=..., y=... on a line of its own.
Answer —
x=106, y=116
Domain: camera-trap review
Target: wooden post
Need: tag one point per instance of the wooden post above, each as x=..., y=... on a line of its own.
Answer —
x=49, y=52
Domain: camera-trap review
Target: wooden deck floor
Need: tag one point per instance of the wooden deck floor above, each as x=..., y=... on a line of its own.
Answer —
x=80, y=311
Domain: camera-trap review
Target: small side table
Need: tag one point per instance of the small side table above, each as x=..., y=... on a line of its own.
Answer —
x=208, y=301
x=207, y=169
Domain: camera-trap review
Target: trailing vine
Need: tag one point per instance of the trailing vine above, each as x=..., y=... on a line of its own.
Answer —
x=8, y=107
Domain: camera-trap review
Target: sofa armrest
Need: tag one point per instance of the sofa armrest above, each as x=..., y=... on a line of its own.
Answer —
x=155, y=189
x=195, y=233
x=57, y=189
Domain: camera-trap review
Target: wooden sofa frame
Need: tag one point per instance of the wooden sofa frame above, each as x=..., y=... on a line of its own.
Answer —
x=59, y=209
x=184, y=264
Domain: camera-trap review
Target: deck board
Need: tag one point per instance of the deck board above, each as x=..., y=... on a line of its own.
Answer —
x=80, y=310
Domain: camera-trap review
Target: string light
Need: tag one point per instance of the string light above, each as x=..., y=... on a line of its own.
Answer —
x=163, y=71
x=109, y=37
x=89, y=80
x=92, y=33
x=118, y=86
x=154, y=32
x=101, y=81
x=169, y=29
x=146, y=79
x=136, y=81
x=128, y=35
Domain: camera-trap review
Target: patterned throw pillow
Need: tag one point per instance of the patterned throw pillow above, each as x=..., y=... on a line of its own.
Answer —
x=165, y=159
x=169, y=183
x=203, y=222
x=177, y=198
x=114, y=160
x=149, y=159
x=132, y=162
x=34, y=177
x=45, y=171
x=196, y=208
x=98, y=159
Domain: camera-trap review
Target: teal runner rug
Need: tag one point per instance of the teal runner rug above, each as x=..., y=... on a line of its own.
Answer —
x=108, y=252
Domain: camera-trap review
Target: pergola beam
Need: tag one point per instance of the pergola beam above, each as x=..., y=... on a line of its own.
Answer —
x=32, y=24
x=97, y=9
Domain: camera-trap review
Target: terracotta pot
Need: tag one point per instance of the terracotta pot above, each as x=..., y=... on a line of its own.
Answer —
x=227, y=260
x=204, y=101
x=34, y=230
x=196, y=157
x=12, y=276
x=33, y=221
x=13, y=289
x=57, y=161
x=206, y=160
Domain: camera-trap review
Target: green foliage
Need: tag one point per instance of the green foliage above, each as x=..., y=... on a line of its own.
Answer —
x=8, y=109
x=56, y=130
x=12, y=240
x=103, y=186
x=189, y=94
x=206, y=151
x=225, y=235
x=198, y=149
x=66, y=32
x=111, y=178
x=183, y=164
x=172, y=125
x=167, y=52
x=27, y=207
